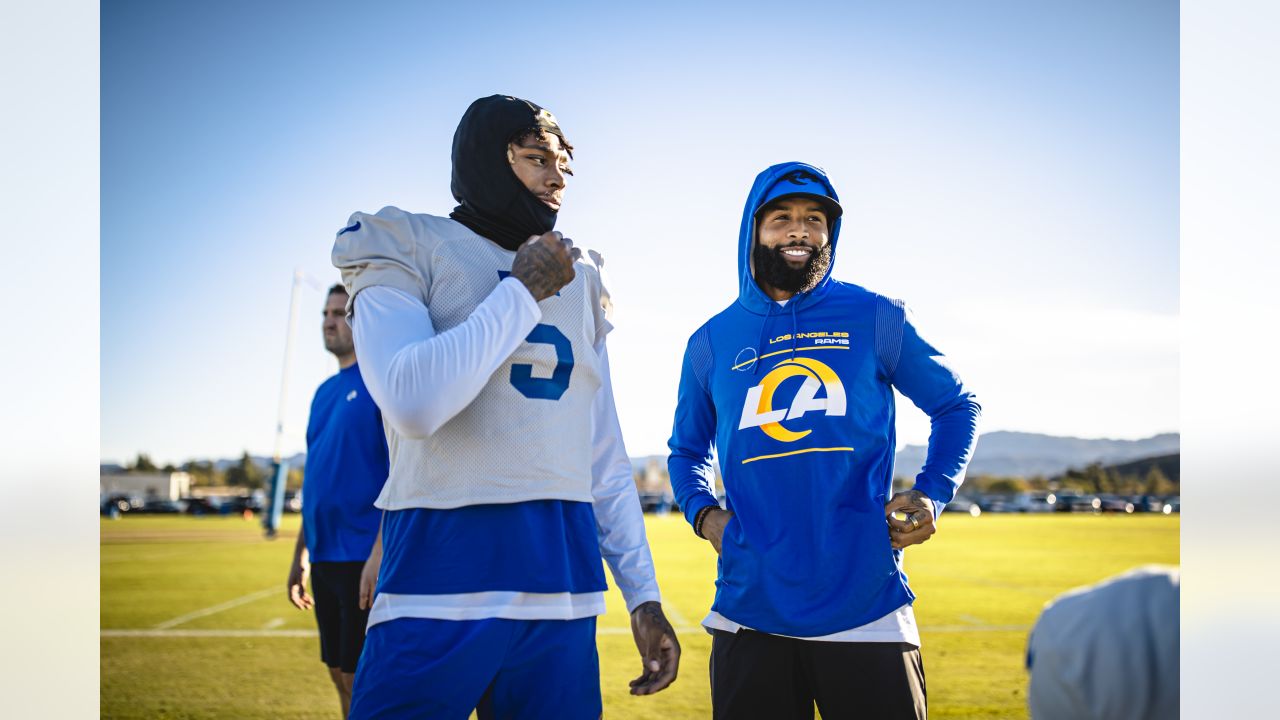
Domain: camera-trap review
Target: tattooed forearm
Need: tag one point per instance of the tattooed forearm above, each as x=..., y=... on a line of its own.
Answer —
x=652, y=611
x=918, y=499
x=544, y=266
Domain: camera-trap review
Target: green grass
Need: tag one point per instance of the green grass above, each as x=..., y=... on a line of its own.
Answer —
x=980, y=581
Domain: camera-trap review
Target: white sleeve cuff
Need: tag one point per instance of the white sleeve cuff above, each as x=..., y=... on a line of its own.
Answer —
x=639, y=597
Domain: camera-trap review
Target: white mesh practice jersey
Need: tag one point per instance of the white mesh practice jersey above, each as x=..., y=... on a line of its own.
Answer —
x=527, y=433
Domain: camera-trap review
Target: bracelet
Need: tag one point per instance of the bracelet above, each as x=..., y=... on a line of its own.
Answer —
x=697, y=520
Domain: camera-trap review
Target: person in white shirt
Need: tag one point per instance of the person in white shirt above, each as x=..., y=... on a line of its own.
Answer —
x=1108, y=651
x=482, y=340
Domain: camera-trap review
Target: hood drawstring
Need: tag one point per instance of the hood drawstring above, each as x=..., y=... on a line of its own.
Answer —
x=792, y=304
x=764, y=324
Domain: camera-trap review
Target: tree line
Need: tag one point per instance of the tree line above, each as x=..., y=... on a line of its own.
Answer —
x=1095, y=478
x=244, y=473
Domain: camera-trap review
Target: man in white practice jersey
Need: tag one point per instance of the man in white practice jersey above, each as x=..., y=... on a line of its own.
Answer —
x=482, y=339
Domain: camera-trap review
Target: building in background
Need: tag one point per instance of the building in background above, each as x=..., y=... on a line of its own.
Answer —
x=149, y=486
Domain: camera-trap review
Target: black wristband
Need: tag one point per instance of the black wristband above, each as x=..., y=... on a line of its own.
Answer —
x=697, y=520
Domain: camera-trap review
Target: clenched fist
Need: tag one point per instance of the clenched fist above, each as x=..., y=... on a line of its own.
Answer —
x=544, y=263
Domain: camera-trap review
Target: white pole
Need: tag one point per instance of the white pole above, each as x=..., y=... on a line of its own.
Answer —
x=298, y=275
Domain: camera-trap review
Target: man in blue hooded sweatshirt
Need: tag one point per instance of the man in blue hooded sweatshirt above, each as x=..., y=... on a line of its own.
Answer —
x=793, y=385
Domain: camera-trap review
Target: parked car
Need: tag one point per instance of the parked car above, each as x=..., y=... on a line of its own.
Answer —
x=164, y=507
x=1086, y=503
x=239, y=503
x=1038, y=502
x=1052, y=501
x=1172, y=505
x=962, y=504
x=293, y=501
x=203, y=505
x=1068, y=501
x=1019, y=502
x=989, y=503
x=1146, y=503
x=656, y=502
x=1114, y=504
x=122, y=503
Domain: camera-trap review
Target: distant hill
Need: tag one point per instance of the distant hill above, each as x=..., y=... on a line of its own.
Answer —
x=1020, y=454
x=1169, y=465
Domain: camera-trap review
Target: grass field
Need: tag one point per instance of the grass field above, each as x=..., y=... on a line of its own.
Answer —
x=195, y=623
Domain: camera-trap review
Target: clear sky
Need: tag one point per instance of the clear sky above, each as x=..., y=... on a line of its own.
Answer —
x=1010, y=169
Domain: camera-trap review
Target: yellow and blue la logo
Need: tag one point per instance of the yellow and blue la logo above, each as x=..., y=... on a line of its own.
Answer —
x=758, y=410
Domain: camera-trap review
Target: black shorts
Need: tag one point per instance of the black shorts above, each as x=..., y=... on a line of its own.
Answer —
x=336, y=588
x=757, y=675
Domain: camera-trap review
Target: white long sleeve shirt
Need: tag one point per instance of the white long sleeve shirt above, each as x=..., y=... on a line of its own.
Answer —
x=421, y=379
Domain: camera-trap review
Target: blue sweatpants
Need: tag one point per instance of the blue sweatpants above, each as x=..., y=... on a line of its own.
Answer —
x=441, y=669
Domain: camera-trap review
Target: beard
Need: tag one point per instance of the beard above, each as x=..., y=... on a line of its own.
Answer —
x=773, y=269
x=339, y=346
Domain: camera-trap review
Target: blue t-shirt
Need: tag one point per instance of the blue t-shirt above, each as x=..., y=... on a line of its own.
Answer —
x=346, y=466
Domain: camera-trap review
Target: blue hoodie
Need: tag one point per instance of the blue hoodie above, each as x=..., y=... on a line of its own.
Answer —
x=798, y=400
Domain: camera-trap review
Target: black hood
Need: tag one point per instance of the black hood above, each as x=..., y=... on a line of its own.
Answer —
x=491, y=199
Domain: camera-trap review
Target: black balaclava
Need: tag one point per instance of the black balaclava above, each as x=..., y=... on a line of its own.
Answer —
x=491, y=199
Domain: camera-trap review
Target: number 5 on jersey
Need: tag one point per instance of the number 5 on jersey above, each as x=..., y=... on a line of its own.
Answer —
x=551, y=388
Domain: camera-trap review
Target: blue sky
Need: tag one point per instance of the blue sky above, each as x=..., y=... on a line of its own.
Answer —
x=1010, y=169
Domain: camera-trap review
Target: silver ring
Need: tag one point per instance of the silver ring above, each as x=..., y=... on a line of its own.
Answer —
x=915, y=524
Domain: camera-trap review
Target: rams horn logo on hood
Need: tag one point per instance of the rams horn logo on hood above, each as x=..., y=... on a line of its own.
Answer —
x=758, y=410
x=800, y=177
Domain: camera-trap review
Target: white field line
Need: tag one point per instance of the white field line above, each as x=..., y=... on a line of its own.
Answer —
x=265, y=633
x=142, y=558
x=675, y=617
x=680, y=630
x=144, y=632
x=273, y=623
x=216, y=608
x=973, y=628
x=683, y=630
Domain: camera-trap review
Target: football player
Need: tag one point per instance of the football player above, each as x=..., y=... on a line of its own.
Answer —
x=482, y=339
x=346, y=468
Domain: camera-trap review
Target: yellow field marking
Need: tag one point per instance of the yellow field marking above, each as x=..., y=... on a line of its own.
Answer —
x=797, y=452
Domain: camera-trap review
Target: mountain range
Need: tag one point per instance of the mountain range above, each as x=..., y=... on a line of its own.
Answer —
x=1020, y=454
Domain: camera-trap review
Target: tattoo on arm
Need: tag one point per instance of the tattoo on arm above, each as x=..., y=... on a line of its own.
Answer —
x=541, y=270
x=653, y=611
x=919, y=503
x=918, y=498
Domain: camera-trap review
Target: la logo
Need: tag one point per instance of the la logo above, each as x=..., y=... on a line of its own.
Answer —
x=758, y=409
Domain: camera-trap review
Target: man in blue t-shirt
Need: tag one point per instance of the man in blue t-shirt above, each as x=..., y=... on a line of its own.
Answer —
x=346, y=468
